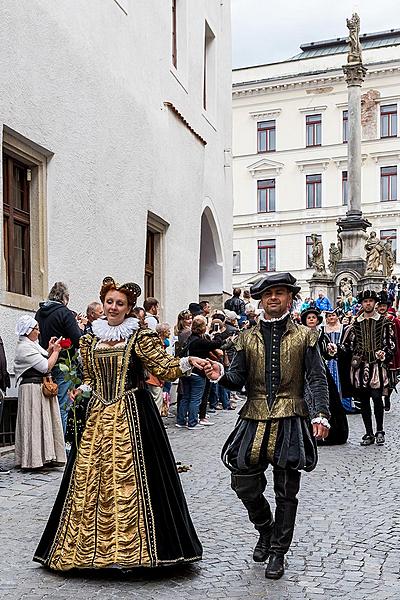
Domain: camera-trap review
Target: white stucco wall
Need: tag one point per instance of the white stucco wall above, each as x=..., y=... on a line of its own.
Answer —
x=288, y=101
x=88, y=82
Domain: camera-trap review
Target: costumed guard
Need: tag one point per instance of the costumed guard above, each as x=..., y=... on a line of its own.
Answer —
x=371, y=342
x=274, y=428
x=339, y=430
x=385, y=309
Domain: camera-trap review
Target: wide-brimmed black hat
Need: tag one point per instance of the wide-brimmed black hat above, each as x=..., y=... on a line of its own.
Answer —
x=274, y=280
x=367, y=295
x=383, y=298
x=313, y=310
x=195, y=309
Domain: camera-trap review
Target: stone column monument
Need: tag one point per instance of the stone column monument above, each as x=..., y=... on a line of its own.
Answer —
x=352, y=229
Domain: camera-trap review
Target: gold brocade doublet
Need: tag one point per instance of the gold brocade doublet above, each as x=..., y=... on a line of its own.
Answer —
x=289, y=400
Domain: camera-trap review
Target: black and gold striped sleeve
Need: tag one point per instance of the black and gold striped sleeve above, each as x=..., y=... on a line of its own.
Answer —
x=149, y=349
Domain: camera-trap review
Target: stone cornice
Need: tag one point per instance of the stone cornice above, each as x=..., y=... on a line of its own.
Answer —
x=385, y=156
x=266, y=114
x=312, y=109
x=257, y=88
x=311, y=164
x=341, y=161
x=265, y=168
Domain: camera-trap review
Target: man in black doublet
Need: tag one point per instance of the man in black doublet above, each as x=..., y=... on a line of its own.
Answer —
x=272, y=360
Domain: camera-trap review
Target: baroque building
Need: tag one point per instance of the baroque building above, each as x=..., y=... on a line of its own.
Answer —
x=115, y=127
x=290, y=127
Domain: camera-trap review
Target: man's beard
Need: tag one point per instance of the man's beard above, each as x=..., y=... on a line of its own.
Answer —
x=369, y=310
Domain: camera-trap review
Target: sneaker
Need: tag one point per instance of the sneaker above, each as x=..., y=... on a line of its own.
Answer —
x=198, y=426
x=206, y=422
x=4, y=471
x=180, y=426
x=212, y=410
x=367, y=440
x=380, y=438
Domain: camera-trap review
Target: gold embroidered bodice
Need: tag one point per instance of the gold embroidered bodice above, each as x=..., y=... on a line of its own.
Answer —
x=105, y=368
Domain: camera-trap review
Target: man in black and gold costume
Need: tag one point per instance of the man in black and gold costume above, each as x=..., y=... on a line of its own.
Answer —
x=274, y=360
x=371, y=342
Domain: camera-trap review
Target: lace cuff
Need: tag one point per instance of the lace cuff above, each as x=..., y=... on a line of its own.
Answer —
x=84, y=387
x=185, y=365
x=321, y=421
x=221, y=373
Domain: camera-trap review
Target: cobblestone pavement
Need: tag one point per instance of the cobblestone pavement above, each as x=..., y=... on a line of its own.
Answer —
x=346, y=543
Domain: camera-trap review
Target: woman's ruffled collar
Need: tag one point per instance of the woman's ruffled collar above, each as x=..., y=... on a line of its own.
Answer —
x=114, y=333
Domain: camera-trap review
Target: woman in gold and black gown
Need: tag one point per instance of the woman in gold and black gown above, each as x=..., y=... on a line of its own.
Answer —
x=121, y=503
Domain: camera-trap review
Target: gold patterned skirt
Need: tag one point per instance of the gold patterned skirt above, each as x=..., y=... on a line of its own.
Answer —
x=120, y=503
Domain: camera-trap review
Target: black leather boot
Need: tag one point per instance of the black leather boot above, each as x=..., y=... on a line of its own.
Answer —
x=261, y=549
x=249, y=488
x=275, y=567
x=286, y=487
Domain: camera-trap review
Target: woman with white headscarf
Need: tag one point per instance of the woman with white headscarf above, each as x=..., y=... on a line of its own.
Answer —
x=39, y=438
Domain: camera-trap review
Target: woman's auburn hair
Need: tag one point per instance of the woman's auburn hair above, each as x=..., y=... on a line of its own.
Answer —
x=111, y=287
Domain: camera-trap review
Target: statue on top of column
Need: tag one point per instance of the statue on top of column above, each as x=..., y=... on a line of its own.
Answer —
x=353, y=24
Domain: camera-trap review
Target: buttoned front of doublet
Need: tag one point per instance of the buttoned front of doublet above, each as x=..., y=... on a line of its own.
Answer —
x=289, y=399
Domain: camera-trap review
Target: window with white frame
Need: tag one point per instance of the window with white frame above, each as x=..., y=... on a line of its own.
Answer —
x=313, y=130
x=345, y=189
x=388, y=183
x=266, y=136
x=266, y=255
x=236, y=261
x=313, y=191
x=266, y=195
x=345, y=126
x=389, y=121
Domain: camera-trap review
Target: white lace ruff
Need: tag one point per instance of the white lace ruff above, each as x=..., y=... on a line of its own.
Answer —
x=114, y=333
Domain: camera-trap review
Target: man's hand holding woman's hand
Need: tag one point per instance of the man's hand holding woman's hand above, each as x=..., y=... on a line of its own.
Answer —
x=198, y=363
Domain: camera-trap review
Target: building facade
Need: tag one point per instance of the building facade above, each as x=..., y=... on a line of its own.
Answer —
x=290, y=126
x=115, y=125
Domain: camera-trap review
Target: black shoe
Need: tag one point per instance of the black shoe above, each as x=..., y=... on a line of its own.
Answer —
x=367, y=440
x=380, y=438
x=261, y=549
x=4, y=471
x=387, y=403
x=275, y=567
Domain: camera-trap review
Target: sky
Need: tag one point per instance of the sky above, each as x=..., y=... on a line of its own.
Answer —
x=271, y=30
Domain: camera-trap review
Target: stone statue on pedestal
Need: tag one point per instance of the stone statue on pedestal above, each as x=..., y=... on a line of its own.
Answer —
x=353, y=24
x=374, y=249
x=334, y=256
x=346, y=288
x=387, y=258
x=317, y=256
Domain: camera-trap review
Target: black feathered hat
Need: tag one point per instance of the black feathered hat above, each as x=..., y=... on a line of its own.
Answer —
x=367, y=295
x=383, y=298
x=313, y=310
x=274, y=280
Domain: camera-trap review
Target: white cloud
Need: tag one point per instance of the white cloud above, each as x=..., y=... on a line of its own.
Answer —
x=266, y=31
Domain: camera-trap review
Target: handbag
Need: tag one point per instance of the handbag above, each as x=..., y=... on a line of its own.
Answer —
x=49, y=387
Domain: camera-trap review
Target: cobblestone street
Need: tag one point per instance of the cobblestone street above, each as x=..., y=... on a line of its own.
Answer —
x=346, y=544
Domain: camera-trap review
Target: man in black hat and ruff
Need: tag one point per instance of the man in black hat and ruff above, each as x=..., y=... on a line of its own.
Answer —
x=272, y=360
x=371, y=342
